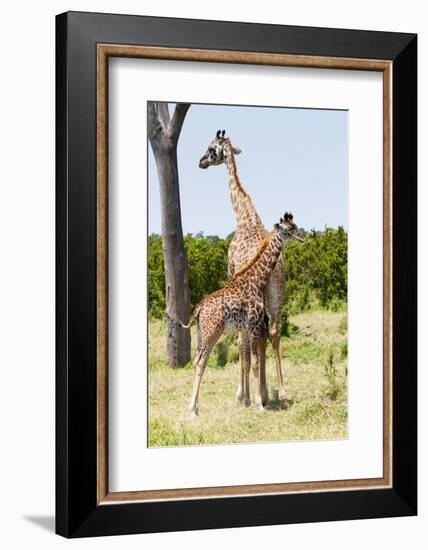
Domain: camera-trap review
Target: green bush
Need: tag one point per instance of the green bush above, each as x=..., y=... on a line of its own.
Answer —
x=156, y=277
x=207, y=257
x=316, y=272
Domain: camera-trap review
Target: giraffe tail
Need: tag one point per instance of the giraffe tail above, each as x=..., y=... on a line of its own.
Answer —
x=193, y=319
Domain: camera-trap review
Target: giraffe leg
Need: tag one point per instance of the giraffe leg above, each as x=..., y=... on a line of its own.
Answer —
x=199, y=367
x=254, y=351
x=240, y=390
x=246, y=366
x=276, y=346
x=264, y=390
x=208, y=341
x=243, y=392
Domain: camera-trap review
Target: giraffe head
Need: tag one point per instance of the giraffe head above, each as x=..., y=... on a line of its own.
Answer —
x=215, y=154
x=287, y=228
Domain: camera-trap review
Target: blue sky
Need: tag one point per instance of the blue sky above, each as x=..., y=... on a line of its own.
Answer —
x=292, y=159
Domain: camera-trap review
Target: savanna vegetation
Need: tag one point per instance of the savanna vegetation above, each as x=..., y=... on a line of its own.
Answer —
x=316, y=271
x=314, y=350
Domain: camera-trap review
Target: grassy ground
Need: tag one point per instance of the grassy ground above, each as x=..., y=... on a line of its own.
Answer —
x=315, y=367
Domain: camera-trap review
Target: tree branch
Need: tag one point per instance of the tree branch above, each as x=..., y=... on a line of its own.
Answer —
x=153, y=124
x=163, y=114
x=178, y=117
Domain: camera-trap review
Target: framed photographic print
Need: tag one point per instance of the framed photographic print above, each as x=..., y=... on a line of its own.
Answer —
x=236, y=274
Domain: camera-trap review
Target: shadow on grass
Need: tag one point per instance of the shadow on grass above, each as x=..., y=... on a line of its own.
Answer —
x=275, y=405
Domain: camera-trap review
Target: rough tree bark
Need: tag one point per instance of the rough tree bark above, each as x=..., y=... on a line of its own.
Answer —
x=164, y=132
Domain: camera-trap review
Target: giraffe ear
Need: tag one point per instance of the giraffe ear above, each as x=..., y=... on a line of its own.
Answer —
x=222, y=134
x=218, y=134
x=236, y=150
x=276, y=226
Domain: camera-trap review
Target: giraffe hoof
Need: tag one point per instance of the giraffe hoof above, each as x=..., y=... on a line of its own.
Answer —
x=265, y=397
x=247, y=402
x=282, y=400
x=240, y=396
x=260, y=407
x=194, y=413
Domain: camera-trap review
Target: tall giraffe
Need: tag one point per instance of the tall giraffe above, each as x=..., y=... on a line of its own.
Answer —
x=249, y=235
x=239, y=306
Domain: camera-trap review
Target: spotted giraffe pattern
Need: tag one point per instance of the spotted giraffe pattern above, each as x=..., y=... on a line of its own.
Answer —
x=239, y=307
x=249, y=235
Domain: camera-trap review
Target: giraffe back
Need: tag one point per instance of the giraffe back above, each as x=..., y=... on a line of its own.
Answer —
x=239, y=306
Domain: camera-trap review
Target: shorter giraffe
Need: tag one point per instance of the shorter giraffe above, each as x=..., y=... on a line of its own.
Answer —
x=239, y=306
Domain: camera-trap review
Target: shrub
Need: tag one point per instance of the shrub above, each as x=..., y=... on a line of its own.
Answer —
x=316, y=272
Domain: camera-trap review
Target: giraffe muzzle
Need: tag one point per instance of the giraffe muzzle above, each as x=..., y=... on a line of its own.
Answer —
x=204, y=163
x=294, y=235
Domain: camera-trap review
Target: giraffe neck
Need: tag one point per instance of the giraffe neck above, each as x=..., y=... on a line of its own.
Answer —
x=246, y=214
x=260, y=271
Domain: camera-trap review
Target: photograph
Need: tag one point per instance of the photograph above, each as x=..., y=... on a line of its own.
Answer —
x=247, y=274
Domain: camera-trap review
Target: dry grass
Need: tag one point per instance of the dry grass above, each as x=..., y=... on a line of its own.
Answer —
x=315, y=370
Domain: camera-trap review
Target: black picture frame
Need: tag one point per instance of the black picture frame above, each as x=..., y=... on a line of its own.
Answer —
x=77, y=511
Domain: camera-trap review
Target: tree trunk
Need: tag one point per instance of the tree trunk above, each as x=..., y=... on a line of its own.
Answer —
x=163, y=135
